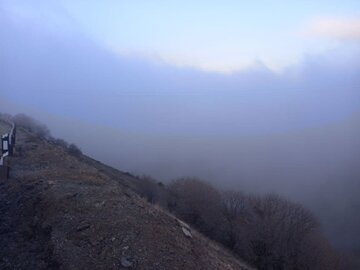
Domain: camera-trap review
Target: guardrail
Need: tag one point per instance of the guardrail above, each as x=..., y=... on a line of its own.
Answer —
x=8, y=146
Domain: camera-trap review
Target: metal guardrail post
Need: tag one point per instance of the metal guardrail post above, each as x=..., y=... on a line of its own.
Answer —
x=7, y=144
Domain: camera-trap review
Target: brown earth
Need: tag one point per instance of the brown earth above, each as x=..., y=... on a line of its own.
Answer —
x=58, y=211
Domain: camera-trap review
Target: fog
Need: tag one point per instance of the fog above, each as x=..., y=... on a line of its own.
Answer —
x=296, y=133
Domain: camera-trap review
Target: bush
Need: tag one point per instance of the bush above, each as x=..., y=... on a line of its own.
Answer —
x=235, y=212
x=154, y=191
x=6, y=117
x=268, y=231
x=199, y=204
x=32, y=125
x=74, y=150
x=273, y=231
x=62, y=143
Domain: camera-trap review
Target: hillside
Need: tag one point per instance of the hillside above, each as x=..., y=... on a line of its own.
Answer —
x=61, y=211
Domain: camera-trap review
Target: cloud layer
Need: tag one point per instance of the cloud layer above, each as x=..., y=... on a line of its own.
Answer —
x=334, y=28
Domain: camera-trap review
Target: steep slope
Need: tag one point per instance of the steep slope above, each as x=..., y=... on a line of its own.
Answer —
x=59, y=211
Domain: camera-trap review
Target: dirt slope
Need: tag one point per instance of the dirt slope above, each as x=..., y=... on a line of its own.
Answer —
x=63, y=212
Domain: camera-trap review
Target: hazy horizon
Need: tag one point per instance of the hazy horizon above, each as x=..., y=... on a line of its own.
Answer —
x=266, y=102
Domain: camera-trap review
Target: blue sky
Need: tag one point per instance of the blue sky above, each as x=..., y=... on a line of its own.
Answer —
x=223, y=36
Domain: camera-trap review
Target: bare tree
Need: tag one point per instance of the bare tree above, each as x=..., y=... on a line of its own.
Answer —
x=274, y=232
x=235, y=213
x=198, y=203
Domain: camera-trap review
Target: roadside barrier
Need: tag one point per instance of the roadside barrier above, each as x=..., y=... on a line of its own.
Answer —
x=7, y=145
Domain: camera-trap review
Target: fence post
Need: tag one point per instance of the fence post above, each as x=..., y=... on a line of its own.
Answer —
x=4, y=169
x=5, y=143
x=7, y=146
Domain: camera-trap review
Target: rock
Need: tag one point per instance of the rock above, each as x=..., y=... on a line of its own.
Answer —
x=183, y=224
x=125, y=262
x=94, y=242
x=186, y=232
x=185, y=228
x=83, y=227
x=99, y=204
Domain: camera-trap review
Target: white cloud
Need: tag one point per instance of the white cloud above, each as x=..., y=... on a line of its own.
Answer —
x=223, y=63
x=334, y=28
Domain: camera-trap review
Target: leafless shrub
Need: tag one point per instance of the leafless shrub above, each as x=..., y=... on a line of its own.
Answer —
x=278, y=234
x=74, y=150
x=198, y=203
x=267, y=231
x=5, y=117
x=154, y=191
x=32, y=125
x=235, y=212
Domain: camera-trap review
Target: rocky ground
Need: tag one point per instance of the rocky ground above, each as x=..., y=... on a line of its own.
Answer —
x=59, y=211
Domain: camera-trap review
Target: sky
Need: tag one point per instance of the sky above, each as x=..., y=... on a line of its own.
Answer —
x=258, y=96
x=221, y=36
x=181, y=69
